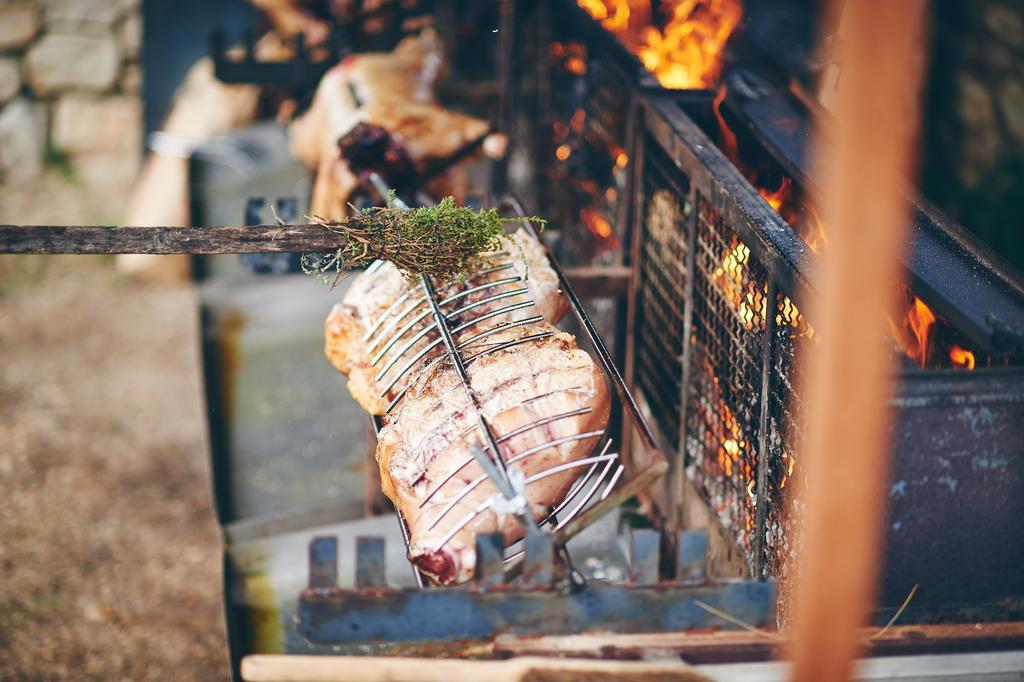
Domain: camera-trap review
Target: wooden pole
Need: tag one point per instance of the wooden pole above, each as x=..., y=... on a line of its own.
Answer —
x=278, y=668
x=166, y=240
x=865, y=158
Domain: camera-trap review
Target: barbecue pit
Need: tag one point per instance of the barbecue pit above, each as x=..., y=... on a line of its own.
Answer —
x=685, y=221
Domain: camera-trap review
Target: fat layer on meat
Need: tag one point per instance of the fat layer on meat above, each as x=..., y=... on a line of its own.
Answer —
x=424, y=451
x=373, y=294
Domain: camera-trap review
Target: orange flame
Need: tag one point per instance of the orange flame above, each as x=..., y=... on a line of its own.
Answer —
x=919, y=319
x=595, y=8
x=729, y=145
x=921, y=336
x=796, y=210
x=914, y=331
x=687, y=54
x=961, y=357
x=575, y=65
x=916, y=328
x=749, y=298
x=815, y=236
x=788, y=474
x=779, y=197
x=741, y=293
x=728, y=453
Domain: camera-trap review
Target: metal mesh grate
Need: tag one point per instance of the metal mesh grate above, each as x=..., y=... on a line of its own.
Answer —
x=573, y=108
x=661, y=292
x=785, y=477
x=723, y=410
x=586, y=154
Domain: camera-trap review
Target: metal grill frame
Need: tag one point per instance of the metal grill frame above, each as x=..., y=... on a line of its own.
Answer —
x=967, y=559
x=775, y=251
x=638, y=474
x=620, y=75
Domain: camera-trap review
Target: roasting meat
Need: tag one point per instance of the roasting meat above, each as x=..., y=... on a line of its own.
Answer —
x=545, y=400
x=390, y=92
x=371, y=297
x=424, y=451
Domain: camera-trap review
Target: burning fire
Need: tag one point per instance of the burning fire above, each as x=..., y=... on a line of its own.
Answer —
x=687, y=53
x=916, y=330
x=743, y=296
x=919, y=320
x=729, y=146
x=961, y=357
x=750, y=301
x=797, y=211
x=916, y=336
x=790, y=463
x=779, y=197
x=730, y=464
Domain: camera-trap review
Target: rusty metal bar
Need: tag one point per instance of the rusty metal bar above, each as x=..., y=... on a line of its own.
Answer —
x=763, y=454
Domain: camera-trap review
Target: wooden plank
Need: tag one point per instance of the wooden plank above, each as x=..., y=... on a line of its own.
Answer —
x=736, y=646
x=281, y=668
x=167, y=240
x=609, y=281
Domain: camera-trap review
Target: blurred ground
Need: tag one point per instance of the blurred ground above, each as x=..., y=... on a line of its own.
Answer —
x=109, y=551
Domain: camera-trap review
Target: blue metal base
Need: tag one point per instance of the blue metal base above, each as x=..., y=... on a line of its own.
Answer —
x=536, y=603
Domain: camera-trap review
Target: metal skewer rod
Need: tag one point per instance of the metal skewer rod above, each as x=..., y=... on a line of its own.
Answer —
x=492, y=463
x=49, y=239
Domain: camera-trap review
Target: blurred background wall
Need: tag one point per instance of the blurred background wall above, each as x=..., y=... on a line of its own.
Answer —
x=69, y=88
x=973, y=155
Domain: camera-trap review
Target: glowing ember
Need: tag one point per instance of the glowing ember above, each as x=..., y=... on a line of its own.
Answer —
x=750, y=301
x=579, y=118
x=790, y=463
x=726, y=460
x=687, y=53
x=961, y=357
x=562, y=152
x=596, y=223
x=576, y=65
x=742, y=295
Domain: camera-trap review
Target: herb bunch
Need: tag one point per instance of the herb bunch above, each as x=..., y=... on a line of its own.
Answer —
x=442, y=241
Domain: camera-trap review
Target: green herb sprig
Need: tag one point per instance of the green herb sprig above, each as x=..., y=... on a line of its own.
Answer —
x=441, y=241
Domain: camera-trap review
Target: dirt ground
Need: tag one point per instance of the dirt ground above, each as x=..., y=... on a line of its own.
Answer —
x=109, y=550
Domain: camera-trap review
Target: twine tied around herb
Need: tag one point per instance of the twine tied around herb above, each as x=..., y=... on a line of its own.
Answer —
x=442, y=241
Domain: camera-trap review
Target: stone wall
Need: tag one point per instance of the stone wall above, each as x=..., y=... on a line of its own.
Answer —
x=973, y=160
x=69, y=87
